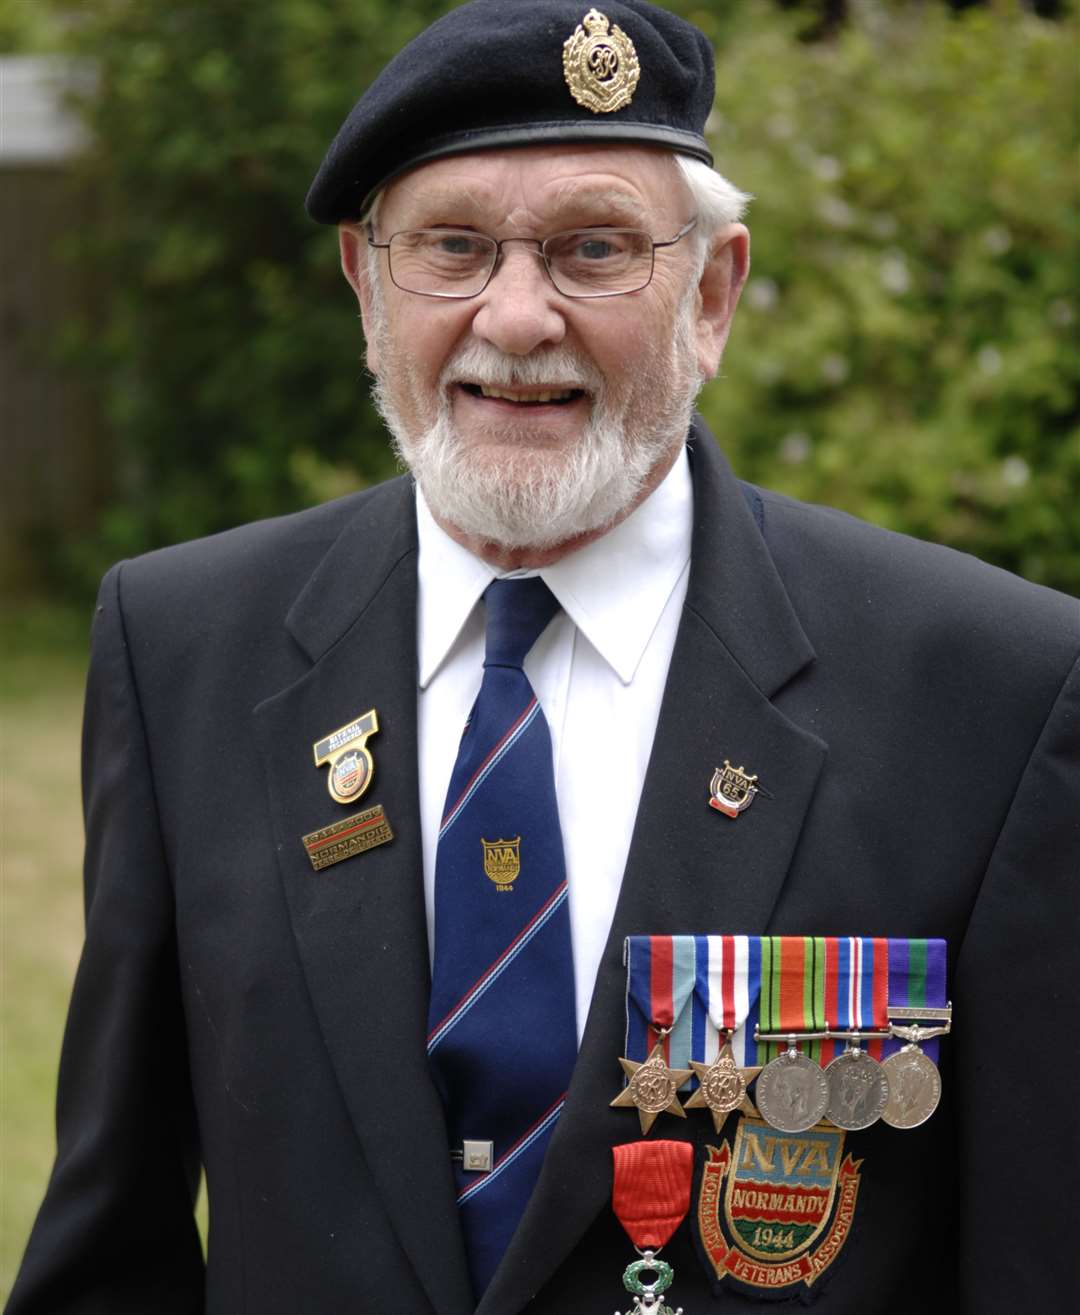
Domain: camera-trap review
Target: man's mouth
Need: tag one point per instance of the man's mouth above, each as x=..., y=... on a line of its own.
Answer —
x=553, y=396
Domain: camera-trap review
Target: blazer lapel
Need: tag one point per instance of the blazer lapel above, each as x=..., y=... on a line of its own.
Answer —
x=691, y=868
x=360, y=925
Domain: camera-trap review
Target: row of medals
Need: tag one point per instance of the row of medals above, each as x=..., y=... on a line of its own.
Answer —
x=852, y=1092
x=793, y=1092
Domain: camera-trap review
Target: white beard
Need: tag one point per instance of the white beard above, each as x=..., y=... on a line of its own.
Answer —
x=536, y=497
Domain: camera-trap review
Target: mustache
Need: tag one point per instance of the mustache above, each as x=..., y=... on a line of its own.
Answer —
x=480, y=363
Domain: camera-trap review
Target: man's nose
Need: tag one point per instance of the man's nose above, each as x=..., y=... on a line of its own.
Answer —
x=520, y=309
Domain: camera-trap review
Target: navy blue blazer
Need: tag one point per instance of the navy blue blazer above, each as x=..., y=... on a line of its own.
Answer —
x=914, y=716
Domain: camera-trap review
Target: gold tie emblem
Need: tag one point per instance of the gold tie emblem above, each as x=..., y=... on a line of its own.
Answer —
x=600, y=66
x=502, y=861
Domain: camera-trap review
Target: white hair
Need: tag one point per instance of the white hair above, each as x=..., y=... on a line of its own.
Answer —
x=717, y=201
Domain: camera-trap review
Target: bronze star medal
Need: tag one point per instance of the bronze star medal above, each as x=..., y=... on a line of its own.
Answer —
x=723, y=1087
x=653, y=1088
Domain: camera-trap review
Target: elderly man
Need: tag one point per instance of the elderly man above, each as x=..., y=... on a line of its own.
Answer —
x=389, y=1022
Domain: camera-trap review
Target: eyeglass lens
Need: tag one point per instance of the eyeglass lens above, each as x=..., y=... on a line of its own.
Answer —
x=591, y=262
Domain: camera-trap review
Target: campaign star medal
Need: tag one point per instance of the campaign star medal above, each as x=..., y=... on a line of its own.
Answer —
x=349, y=758
x=650, y=1195
x=653, y=1087
x=722, y=1087
x=600, y=64
x=731, y=790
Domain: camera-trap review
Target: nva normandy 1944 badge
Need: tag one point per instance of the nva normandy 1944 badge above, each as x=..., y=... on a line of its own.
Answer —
x=773, y=1210
x=502, y=862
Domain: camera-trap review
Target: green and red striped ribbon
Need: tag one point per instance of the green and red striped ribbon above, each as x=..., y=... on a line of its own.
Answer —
x=697, y=985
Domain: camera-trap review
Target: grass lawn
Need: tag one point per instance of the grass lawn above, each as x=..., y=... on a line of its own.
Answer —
x=42, y=669
x=42, y=666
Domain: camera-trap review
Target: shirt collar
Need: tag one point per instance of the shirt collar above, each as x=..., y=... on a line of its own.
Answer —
x=614, y=589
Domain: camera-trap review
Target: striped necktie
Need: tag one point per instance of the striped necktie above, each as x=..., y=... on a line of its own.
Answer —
x=502, y=1039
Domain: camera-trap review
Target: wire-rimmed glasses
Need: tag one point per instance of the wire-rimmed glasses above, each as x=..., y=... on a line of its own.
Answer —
x=583, y=262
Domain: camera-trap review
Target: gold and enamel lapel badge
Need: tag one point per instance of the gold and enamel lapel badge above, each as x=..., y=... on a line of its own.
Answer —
x=352, y=769
x=731, y=790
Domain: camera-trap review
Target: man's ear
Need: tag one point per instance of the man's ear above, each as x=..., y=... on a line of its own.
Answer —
x=354, y=266
x=721, y=283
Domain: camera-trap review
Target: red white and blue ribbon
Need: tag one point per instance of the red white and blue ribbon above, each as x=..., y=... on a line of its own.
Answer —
x=702, y=987
x=699, y=987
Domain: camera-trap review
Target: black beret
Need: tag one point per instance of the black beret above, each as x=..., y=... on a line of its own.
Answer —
x=496, y=73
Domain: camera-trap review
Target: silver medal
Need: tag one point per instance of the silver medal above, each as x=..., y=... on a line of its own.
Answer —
x=792, y=1093
x=914, y=1088
x=858, y=1089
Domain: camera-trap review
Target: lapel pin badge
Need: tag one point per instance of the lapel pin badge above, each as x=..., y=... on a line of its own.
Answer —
x=731, y=790
x=345, y=751
x=348, y=836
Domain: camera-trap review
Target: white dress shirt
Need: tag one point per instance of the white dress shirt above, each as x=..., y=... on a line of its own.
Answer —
x=598, y=671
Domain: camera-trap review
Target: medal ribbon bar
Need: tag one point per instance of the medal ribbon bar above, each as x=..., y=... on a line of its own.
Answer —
x=698, y=986
x=703, y=986
x=651, y=1190
x=917, y=982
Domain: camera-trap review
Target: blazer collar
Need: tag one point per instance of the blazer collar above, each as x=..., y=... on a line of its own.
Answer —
x=734, y=585
x=380, y=536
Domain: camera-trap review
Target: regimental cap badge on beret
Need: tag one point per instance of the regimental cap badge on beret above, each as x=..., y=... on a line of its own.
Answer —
x=600, y=64
x=486, y=76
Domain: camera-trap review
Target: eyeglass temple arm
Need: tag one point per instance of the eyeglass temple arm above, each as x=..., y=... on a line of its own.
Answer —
x=678, y=236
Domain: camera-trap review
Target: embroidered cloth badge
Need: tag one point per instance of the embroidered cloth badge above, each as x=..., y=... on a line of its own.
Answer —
x=774, y=1209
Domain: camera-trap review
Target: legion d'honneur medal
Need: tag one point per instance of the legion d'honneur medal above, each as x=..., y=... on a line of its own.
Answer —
x=650, y=1196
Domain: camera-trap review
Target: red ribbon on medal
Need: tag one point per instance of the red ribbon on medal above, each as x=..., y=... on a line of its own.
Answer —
x=651, y=1192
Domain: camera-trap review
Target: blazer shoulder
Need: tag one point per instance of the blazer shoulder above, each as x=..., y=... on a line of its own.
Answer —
x=914, y=595
x=263, y=563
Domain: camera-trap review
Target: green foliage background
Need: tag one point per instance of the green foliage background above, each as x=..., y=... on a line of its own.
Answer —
x=907, y=345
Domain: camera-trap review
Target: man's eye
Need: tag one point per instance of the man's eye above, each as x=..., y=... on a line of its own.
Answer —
x=455, y=244
x=594, y=248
